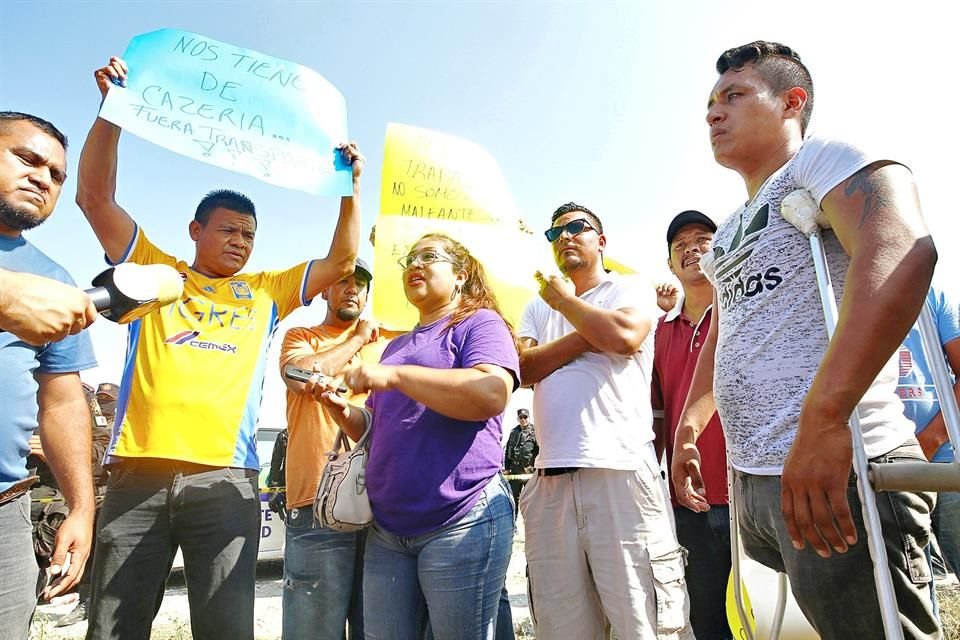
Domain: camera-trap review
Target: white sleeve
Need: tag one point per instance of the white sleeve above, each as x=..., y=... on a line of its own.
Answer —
x=633, y=292
x=823, y=163
x=529, y=327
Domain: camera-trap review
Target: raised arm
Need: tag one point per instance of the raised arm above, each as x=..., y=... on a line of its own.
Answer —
x=876, y=216
x=339, y=261
x=697, y=411
x=64, y=419
x=97, y=174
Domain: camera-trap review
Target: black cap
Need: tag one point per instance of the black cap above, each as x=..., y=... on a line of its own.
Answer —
x=363, y=268
x=523, y=413
x=684, y=218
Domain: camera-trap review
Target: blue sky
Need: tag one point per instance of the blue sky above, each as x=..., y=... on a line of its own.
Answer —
x=602, y=103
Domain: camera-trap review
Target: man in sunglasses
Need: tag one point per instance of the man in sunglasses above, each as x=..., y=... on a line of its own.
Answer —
x=600, y=542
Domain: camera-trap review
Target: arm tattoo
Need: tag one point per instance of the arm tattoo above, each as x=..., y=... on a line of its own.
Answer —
x=876, y=194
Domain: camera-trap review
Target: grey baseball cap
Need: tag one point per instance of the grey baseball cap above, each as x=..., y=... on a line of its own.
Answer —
x=364, y=268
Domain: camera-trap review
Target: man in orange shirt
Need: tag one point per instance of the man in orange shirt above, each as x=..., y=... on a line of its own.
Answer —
x=322, y=569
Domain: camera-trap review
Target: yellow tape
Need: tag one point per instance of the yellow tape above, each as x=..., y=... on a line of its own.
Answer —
x=51, y=500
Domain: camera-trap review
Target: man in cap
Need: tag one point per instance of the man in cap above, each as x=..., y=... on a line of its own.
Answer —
x=48, y=509
x=521, y=453
x=322, y=568
x=107, y=395
x=705, y=534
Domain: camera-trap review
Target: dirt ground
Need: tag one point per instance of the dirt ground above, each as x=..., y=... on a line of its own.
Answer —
x=173, y=620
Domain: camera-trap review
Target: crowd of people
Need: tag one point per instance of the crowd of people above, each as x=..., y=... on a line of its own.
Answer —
x=739, y=370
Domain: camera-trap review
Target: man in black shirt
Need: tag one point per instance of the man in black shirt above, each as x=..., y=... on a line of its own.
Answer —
x=521, y=452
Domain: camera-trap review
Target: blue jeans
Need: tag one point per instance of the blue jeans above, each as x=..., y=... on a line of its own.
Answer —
x=18, y=568
x=322, y=579
x=150, y=509
x=946, y=526
x=448, y=581
x=933, y=585
x=837, y=594
x=505, y=629
x=706, y=536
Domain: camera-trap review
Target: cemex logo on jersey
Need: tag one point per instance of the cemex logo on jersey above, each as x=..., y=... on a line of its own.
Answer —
x=189, y=338
x=732, y=283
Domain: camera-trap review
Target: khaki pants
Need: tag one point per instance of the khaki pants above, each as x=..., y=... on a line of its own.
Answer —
x=602, y=552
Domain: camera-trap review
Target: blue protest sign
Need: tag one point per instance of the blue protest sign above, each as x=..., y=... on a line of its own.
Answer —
x=234, y=108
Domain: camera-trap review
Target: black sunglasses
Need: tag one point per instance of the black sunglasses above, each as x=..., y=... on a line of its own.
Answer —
x=574, y=228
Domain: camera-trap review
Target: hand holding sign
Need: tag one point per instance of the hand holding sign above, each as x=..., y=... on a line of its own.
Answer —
x=234, y=108
x=352, y=157
x=115, y=73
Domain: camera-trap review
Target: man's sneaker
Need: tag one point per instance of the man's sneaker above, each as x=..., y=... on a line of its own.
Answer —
x=79, y=614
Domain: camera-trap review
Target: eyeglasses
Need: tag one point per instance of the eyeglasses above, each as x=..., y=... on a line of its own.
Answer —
x=574, y=228
x=423, y=259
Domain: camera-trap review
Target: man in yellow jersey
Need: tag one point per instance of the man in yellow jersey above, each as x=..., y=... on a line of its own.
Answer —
x=183, y=456
x=322, y=569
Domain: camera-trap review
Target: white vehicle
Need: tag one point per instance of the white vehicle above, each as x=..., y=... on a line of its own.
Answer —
x=272, y=531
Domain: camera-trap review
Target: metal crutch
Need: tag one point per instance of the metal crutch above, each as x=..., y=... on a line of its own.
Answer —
x=801, y=210
x=919, y=476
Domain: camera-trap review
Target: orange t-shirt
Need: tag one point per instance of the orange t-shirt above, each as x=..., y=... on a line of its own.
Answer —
x=310, y=428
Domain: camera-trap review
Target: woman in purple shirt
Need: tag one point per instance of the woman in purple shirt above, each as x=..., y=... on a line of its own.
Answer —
x=439, y=548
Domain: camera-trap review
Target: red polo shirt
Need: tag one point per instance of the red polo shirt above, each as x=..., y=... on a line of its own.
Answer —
x=677, y=347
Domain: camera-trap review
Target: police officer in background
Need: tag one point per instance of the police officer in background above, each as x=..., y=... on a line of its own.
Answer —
x=48, y=508
x=521, y=452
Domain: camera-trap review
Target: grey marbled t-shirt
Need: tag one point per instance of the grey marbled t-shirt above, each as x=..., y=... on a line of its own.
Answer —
x=772, y=335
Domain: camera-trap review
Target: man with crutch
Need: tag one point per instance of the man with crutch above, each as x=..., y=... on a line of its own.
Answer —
x=784, y=390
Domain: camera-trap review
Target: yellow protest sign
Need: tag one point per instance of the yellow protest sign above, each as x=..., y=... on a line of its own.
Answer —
x=509, y=262
x=434, y=182
x=435, y=176
x=737, y=625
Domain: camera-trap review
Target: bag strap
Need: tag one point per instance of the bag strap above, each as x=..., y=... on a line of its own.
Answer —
x=342, y=443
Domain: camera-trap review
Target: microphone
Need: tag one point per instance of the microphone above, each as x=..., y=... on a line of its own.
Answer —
x=130, y=291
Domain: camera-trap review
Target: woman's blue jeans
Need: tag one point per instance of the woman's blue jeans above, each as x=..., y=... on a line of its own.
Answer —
x=449, y=579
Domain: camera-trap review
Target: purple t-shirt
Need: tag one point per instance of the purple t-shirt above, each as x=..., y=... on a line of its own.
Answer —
x=427, y=470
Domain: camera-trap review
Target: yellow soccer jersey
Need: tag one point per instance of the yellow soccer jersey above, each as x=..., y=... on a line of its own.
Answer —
x=193, y=376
